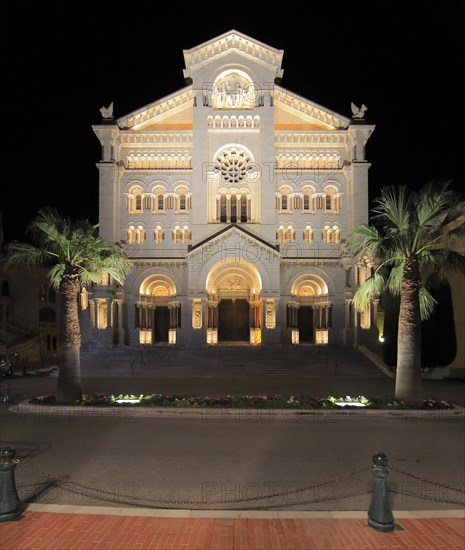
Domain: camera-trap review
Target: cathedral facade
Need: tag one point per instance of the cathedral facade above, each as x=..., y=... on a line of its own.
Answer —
x=233, y=198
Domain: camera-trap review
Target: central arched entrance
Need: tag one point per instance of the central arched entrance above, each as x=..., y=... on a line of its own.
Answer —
x=234, y=305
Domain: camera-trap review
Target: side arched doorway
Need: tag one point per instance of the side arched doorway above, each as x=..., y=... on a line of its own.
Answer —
x=158, y=313
x=234, y=305
x=309, y=312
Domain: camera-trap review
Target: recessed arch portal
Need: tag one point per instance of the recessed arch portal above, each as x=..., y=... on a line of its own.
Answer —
x=309, y=285
x=234, y=305
x=309, y=311
x=157, y=285
x=158, y=314
x=231, y=275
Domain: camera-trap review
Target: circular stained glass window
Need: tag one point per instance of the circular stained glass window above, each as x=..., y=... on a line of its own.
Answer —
x=233, y=166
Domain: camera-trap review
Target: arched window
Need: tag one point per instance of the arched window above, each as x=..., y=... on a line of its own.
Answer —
x=308, y=234
x=135, y=235
x=158, y=234
x=223, y=208
x=233, y=207
x=186, y=235
x=290, y=234
x=181, y=201
x=159, y=200
x=135, y=201
x=331, y=200
x=285, y=234
x=177, y=235
x=308, y=200
x=244, y=214
x=233, y=89
x=331, y=234
x=326, y=234
x=284, y=200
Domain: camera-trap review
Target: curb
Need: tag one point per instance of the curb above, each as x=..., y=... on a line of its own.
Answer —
x=457, y=412
x=231, y=514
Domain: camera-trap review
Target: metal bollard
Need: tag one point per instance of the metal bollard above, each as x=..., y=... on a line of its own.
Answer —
x=379, y=514
x=10, y=505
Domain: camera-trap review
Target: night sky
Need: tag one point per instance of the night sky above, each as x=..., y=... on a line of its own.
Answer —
x=63, y=61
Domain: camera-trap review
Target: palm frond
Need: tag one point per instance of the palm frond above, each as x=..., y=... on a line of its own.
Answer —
x=25, y=255
x=427, y=302
x=395, y=277
x=56, y=275
x=393, y=210
x=369, y=290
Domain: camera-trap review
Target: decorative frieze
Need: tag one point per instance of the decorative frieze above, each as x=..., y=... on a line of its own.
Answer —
x=161, y=140
x=300, y=139
x=293, y=102
x=171, y=104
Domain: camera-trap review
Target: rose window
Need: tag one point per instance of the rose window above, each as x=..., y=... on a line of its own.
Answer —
x=233, y=166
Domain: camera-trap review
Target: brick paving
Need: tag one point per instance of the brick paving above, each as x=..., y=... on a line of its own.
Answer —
x=122, y=529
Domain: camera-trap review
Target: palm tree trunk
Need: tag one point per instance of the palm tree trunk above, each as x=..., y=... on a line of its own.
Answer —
x=69, y=372
x=408, y=378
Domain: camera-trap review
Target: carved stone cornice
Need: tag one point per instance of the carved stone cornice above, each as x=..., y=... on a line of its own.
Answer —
x=171, y=105
x=232, y=41
x=160, y=140
x=285, y=139
x=296, y=104
x=157, y=262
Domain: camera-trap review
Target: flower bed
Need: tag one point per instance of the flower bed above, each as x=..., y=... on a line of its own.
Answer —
x=243, y=402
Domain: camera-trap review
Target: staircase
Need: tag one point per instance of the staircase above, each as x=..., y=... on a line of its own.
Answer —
x=229, y=361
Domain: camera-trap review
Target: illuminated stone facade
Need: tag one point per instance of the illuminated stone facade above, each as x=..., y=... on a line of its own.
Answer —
x=233, y=198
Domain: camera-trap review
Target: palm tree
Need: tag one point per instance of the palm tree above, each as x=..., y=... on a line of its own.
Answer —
x=410, y=232
x=77, y=256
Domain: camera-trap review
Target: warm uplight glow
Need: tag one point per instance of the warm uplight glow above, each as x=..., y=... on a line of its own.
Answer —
x=321, y=336
x=212, y=336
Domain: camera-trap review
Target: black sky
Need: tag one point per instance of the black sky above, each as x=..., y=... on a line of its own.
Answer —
x=62, y=61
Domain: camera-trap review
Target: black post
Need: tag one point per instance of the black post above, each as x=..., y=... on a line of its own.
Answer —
x=10, y=505
x=379, y=514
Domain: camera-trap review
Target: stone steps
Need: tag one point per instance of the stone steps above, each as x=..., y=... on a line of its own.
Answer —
x=229, y=361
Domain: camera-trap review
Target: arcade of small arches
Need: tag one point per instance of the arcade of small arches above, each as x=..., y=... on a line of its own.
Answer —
x=159, y=161
x=308, y=201
x=329, y=234
x=180, y=234
x=158, y=201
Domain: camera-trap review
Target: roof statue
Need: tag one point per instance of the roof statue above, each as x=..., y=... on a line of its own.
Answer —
x=107, y=112
x=358, y=112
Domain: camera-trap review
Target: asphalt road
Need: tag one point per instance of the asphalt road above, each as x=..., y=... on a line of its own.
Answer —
x=309, y=463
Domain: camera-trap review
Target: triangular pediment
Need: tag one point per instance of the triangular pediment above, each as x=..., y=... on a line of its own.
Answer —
x=173, y=112
x=293, y=112
x=234, y=233
x=232, y=41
